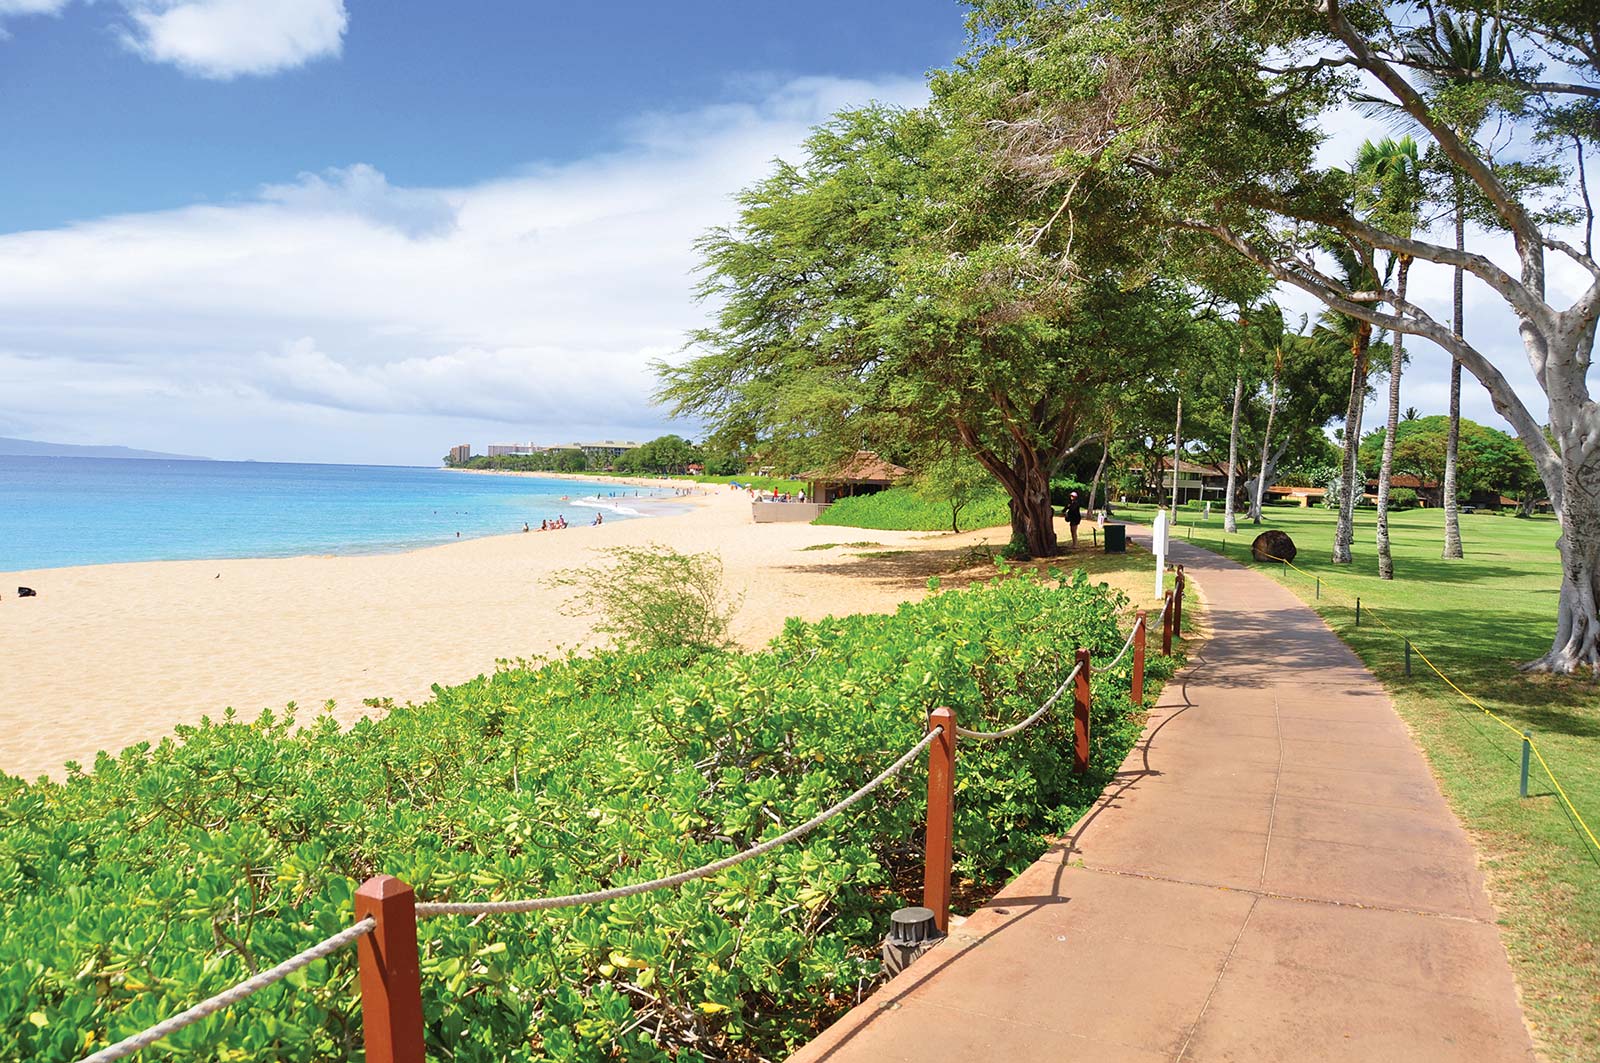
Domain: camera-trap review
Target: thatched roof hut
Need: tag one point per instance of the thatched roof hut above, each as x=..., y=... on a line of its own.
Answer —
x=862, y=474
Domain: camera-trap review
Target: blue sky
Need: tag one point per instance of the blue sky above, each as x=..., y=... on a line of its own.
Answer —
x=431, y=93
x=342, y=230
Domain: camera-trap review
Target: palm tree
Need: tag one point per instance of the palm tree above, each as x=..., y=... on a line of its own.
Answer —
x=1456, y=55
x=1229, y=525
x=1357, y=274
x=1389, y=187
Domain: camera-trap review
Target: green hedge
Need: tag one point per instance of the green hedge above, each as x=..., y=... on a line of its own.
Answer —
x=1402, y=498
x=904, y=509
x=162, y=875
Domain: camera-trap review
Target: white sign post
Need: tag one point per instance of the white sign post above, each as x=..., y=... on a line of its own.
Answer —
x=1158, y=543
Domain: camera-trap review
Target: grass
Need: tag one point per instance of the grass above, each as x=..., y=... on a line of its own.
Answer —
x=1477, y=619
x=903, y=509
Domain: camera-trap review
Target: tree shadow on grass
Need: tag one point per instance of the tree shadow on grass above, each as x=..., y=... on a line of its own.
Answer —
x=1481, y=653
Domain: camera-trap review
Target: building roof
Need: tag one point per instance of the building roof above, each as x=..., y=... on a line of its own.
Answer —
x=1286, y=490
x=865, y=467
x=1164, y=464
x=1405, y=479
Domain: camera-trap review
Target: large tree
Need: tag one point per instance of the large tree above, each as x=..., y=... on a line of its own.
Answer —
x=898, y=288
x=1389, y=189
x=1218, y=105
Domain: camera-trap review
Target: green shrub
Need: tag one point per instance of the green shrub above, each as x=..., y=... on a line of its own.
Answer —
x=653, y=598
x=1402, y=498
x=164, y=874
x=905, y=509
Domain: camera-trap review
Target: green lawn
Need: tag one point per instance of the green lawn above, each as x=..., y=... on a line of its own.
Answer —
x=903, y=509
x=1477, y=619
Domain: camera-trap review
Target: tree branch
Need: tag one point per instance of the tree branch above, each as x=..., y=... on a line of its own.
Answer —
x=1529, y=239
x=1413, y=321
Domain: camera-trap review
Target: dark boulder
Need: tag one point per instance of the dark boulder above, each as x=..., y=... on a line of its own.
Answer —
x=1273, y=546
x=27, y=592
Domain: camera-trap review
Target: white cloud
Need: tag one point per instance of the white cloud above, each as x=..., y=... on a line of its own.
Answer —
x=31, y=7
x=340, y=317
x=226, y=38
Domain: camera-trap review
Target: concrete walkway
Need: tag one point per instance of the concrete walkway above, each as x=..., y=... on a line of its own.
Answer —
x=1273, y=876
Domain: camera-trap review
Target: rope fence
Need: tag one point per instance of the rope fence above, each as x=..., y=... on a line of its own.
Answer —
x=704, y=871
x=1037, y=715
x=232, y=995
x=387, y=910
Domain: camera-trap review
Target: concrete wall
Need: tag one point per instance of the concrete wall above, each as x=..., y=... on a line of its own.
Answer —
x=774, y=512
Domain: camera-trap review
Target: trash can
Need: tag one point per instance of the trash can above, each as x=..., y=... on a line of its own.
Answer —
x=1116, y=538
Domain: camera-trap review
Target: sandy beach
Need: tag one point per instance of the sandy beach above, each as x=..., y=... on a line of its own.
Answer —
x=110, y=655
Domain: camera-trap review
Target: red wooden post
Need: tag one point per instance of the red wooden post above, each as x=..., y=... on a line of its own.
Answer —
x=1166, y=626
x=1177, y=603
x=1080, y=715
x=939, y=853
x=1140, y=622
x=391, y=978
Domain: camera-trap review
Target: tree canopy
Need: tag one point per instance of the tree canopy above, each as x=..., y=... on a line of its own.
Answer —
x=896, y=290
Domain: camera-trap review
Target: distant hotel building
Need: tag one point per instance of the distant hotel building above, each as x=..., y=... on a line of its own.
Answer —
x=605, y=449
x=460, y=455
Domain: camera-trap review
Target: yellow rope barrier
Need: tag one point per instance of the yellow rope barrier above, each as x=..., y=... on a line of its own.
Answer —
x=1534, y=746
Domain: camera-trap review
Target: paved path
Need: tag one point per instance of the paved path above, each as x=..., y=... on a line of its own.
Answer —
x=1274, y=876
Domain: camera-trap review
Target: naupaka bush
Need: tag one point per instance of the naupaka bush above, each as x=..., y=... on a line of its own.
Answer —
x=164, y=874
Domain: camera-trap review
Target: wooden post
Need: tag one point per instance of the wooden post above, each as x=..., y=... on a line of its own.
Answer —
x=1080, y=715
x=1177, y=603
x=939, y=851
x=391, y=978
x=1166, y=625
x=1140, y=622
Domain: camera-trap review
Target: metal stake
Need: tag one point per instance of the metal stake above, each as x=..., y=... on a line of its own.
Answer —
x=1527, y=748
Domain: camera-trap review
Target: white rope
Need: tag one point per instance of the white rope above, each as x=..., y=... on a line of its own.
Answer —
x=571, y=900
x=1127, y=642
x=1038, y=714
x=254, y=984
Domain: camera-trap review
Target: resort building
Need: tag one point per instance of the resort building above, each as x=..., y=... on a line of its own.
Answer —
x=604, y=450
x=863, y=474
x=461, y=453
x=498, y=450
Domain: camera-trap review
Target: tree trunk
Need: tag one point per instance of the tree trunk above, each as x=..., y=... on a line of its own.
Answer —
x=1099, y=470
x=1177, y=448
x=1344, y=533
x=1574, y=491
x=1033, y=519
x=1229, y=525
x=1386, y=467
x=1577, y=640
x=1452, y=440
x=1266, y=441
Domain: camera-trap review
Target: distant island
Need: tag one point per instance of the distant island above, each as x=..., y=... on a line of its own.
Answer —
x=30, y=448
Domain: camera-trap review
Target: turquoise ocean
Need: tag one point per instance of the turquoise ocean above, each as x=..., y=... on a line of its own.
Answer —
x=91, y=511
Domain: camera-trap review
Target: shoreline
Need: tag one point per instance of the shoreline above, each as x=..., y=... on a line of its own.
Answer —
x=111, y=655
x=41, y=574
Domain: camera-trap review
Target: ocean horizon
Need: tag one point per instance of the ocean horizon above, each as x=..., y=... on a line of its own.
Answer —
x=64, y=511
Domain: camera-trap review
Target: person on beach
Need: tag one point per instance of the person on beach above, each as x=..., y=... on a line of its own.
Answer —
x=544, y=525
x=1074, y=517
x=525, y=526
